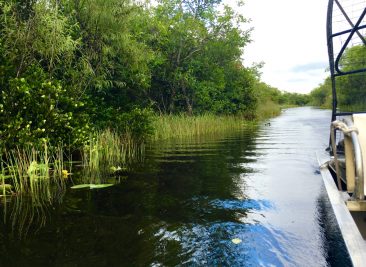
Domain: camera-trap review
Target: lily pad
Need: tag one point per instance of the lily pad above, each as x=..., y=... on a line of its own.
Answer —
x=91, y=186
x=79, y=186
x=97, y=186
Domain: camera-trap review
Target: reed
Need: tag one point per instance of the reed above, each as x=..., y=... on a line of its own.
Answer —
x=181, y=126
x=32, y=171
x=37, y=180
x=106, y=153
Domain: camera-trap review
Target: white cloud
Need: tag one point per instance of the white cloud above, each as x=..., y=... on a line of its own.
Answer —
x=288, y=35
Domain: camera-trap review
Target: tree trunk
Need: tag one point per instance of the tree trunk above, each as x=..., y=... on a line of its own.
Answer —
x=188, y=100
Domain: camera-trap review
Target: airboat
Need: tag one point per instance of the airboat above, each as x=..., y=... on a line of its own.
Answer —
x=343, y=167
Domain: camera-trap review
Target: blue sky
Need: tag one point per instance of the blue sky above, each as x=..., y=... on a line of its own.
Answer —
x=289, y=37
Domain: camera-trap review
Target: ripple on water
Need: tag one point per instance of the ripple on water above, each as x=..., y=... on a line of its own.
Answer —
x=211, y=244
x=189, y=199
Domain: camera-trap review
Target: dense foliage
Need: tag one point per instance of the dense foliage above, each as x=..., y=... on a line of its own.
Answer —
x=198, y=59
x=271, y=100
x=322, y=95
x=69, y=67
x=351, y=89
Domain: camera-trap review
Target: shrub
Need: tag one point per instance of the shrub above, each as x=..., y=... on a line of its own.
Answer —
x=138, y=123
x=35, y=108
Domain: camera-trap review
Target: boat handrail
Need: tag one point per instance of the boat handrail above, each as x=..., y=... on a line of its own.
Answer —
x=348, y=129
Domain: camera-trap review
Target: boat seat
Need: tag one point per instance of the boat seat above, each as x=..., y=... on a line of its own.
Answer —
x=359, y=121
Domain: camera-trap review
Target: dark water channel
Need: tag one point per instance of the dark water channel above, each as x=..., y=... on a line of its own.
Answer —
x=189, y=199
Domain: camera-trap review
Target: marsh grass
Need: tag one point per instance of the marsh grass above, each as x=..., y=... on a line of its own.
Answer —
x=268, y=109
x=182, y=126
x=41, y=171
x=108, y=153
x=35, y=180
x=33, y=172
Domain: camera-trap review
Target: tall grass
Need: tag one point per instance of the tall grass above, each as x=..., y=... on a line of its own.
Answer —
x=40, y=171
x=268, y=109
x=33, y=172
x=179, y=126
x=359, y=107
x=107, y=153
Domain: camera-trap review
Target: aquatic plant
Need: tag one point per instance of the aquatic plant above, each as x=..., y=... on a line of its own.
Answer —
x=33, y=171
x=108, y=153
x=91, y=186
x=179, y=126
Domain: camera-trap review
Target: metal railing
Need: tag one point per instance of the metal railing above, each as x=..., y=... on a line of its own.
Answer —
x=348, y=129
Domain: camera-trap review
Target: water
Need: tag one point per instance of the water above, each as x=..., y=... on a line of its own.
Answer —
x=188, y=200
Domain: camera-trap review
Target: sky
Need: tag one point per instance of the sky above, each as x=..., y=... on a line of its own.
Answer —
x=289, y=36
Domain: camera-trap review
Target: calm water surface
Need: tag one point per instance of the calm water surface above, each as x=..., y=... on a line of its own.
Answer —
x=186, y=202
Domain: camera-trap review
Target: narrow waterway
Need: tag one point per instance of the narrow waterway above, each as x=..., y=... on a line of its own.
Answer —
x=187, y=202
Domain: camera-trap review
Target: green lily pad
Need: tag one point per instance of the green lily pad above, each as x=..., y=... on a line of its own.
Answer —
x=79, y=186
x=97, y=186
x=91, y=186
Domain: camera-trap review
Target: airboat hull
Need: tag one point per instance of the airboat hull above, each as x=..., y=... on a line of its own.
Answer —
x=351, y=231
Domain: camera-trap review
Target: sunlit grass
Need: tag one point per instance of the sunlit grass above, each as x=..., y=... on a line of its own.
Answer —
x=106, y=153
x=41, y=171
x=267, y=110
x=181, y=126
x=32, y=171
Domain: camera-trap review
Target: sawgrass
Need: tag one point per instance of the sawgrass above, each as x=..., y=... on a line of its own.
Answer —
x=182, y=126
x=268, y=109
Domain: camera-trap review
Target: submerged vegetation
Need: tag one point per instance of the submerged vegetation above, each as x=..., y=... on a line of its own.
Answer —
x=108, y=154
x=33, y=171
x=41, y=171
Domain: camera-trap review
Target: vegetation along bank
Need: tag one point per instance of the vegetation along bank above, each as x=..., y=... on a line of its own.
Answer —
x=96, y=77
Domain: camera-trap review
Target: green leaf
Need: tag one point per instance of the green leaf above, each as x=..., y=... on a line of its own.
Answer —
x=80, y=186
x=97, y=186
x=91, y=186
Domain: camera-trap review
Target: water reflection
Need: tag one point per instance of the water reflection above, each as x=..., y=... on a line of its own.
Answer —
x=249, y=204
x=27, y=214
x=259, y=186
x=186, y=202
